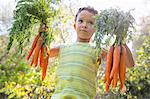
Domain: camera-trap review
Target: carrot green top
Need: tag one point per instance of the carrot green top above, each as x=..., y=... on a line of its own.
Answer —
x=76, y=72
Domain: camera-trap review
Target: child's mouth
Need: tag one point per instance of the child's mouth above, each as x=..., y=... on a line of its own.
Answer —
x=83, y=30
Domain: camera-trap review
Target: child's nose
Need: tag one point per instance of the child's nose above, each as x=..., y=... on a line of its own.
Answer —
x=84, y=25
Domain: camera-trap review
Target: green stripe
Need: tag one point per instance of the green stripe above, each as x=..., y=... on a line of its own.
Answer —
x=78, y=63
x=78, y=79
x=79, y=92
x=77, y=52
x=77, y=84
x=76, y=93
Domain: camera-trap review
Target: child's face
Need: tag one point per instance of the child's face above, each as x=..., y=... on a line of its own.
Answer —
x=84, y=26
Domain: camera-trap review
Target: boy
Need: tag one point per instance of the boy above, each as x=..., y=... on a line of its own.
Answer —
x=77, y=69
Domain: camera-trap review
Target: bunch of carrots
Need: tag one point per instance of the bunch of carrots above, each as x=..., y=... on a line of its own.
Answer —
x=39, y=51
x=119, y=57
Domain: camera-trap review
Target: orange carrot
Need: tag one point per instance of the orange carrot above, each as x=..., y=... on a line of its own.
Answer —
x=108, y=85
x=32, y=61
x=115, y=77
x=109, y=62
x=37, y=50
x=116, y=60
x=122, y=67
x=33, y=46
x=47, y=50
x=44, y=68
x=41, y=56
x=129, y=58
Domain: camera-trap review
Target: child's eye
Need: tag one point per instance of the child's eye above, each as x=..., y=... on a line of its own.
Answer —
x=91, y=22
x=80, y=21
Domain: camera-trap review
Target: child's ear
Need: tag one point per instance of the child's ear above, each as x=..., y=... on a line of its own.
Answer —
x=74, y=26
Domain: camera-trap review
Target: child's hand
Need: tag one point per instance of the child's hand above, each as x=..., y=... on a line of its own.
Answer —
x=43, y=28
x=103, y=54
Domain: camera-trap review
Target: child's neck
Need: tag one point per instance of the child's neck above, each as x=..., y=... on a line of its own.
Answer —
x=82, y=41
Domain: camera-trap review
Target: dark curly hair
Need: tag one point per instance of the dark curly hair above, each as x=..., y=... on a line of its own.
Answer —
x=90, y=9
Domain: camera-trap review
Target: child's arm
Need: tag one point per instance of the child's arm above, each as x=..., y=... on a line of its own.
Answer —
x=53, y=52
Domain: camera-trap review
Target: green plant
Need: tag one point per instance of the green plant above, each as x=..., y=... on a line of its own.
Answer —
x=113, y=25
x=20, y=82
x=29, y=13
x=138, y=83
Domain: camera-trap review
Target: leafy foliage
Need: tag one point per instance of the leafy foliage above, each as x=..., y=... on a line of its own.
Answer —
x=20, y=82
x=139, y=77
x=113, y=23
x=29, y=13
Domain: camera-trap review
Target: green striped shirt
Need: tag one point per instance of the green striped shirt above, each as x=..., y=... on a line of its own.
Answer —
x=76, y=72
